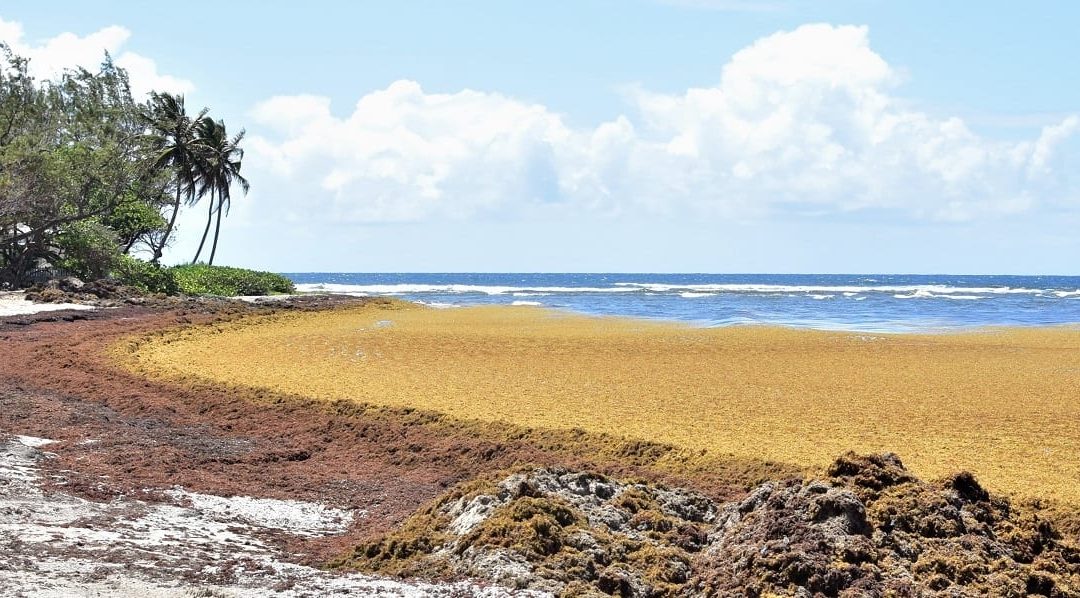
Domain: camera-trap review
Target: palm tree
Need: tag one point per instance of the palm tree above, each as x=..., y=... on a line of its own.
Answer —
x=206, y=130
x=205, y=187
x=172, y=134
x=218, y=171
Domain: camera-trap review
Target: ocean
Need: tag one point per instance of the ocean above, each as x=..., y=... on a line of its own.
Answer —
x=873, y=303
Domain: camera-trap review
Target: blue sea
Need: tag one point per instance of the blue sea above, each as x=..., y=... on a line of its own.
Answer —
x=878, y=303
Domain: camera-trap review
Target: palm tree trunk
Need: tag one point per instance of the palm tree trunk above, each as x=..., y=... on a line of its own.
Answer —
x=217, y=231
x=209, y=219
x=160, y=249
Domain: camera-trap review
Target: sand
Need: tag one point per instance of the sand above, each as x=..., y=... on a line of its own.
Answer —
x=59, y=545
x=15, y=304
x=1004, y=404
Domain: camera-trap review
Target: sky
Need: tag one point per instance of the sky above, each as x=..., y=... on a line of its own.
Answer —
x=787, y=136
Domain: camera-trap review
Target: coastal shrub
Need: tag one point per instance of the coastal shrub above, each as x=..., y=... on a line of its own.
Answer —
x=145, y=276
x=88, y=249
x=201, y=279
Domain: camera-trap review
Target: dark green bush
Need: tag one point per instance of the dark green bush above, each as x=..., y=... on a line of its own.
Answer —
x=88, y=249
x=147, y=277
x=201, y=279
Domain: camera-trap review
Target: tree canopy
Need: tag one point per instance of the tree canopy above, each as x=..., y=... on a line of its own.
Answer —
x=89, y=176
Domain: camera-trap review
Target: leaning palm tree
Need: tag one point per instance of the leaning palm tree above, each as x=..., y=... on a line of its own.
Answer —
x=218, y=171
x=208, y=134
x=205, y=187
x=172, y=135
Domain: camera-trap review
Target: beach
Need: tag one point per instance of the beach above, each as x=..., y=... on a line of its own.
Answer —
x=15, y=304
x=1000, y=403
x=684, y=299
x=128, y=423
x=116, y=485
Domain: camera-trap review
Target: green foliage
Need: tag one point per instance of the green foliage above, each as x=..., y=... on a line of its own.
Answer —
x=218, y=170
x=89, y=175
x=198, y=279
x=134, y=220
x=89, y=249
x=201, y=279
x=145, y=276
x=175, y=148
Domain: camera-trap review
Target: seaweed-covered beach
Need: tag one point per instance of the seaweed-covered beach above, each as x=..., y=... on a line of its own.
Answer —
x=396, y=489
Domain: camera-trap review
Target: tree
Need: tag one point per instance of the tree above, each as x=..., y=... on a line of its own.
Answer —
x=89, y=176
x=69, y=154
x=25, y=136
x=137, y=218
x=173, y=137
x=219, y=170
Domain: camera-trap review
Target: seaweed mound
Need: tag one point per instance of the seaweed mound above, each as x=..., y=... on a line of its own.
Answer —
x=872, y=529
x=869, y=528
x=102, y=293
x=565, y=532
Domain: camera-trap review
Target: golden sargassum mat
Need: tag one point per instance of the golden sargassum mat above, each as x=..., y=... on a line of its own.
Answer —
x=1004, y=404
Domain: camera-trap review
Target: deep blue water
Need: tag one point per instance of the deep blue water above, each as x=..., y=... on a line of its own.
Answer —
x=843, y=302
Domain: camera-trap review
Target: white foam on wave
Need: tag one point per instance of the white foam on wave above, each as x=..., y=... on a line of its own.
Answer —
x=938, y=289
x=321, y=287
x=923, y=294
x=411, y=289
x=530, y=303
x=438, y=305
x=920, y=294
x=819, y=297
x=688, y=291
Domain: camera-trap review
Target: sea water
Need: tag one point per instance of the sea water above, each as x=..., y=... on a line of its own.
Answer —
x=879, y=303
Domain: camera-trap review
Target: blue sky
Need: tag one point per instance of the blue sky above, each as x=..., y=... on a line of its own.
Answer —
x=679, y=135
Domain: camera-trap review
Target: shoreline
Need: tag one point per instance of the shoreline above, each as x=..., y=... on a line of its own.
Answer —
x=883, y=327
x=15, y=303
x=830, y=327
x=874, y=303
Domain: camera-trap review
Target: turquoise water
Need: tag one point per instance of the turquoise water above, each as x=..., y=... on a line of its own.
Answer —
x=882, y=303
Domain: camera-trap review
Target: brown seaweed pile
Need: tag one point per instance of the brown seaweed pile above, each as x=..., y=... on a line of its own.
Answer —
x=869, y=528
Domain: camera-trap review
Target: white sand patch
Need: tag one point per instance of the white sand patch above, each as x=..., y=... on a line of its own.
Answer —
x=58, y=545
x=15, y=304
x=294, y=516
x=33, y=441
x=262, y=298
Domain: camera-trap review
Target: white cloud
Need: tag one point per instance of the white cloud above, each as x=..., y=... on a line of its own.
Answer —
x=145, y=77
x=50, y=57
x=800, y=122
x=404, y=153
